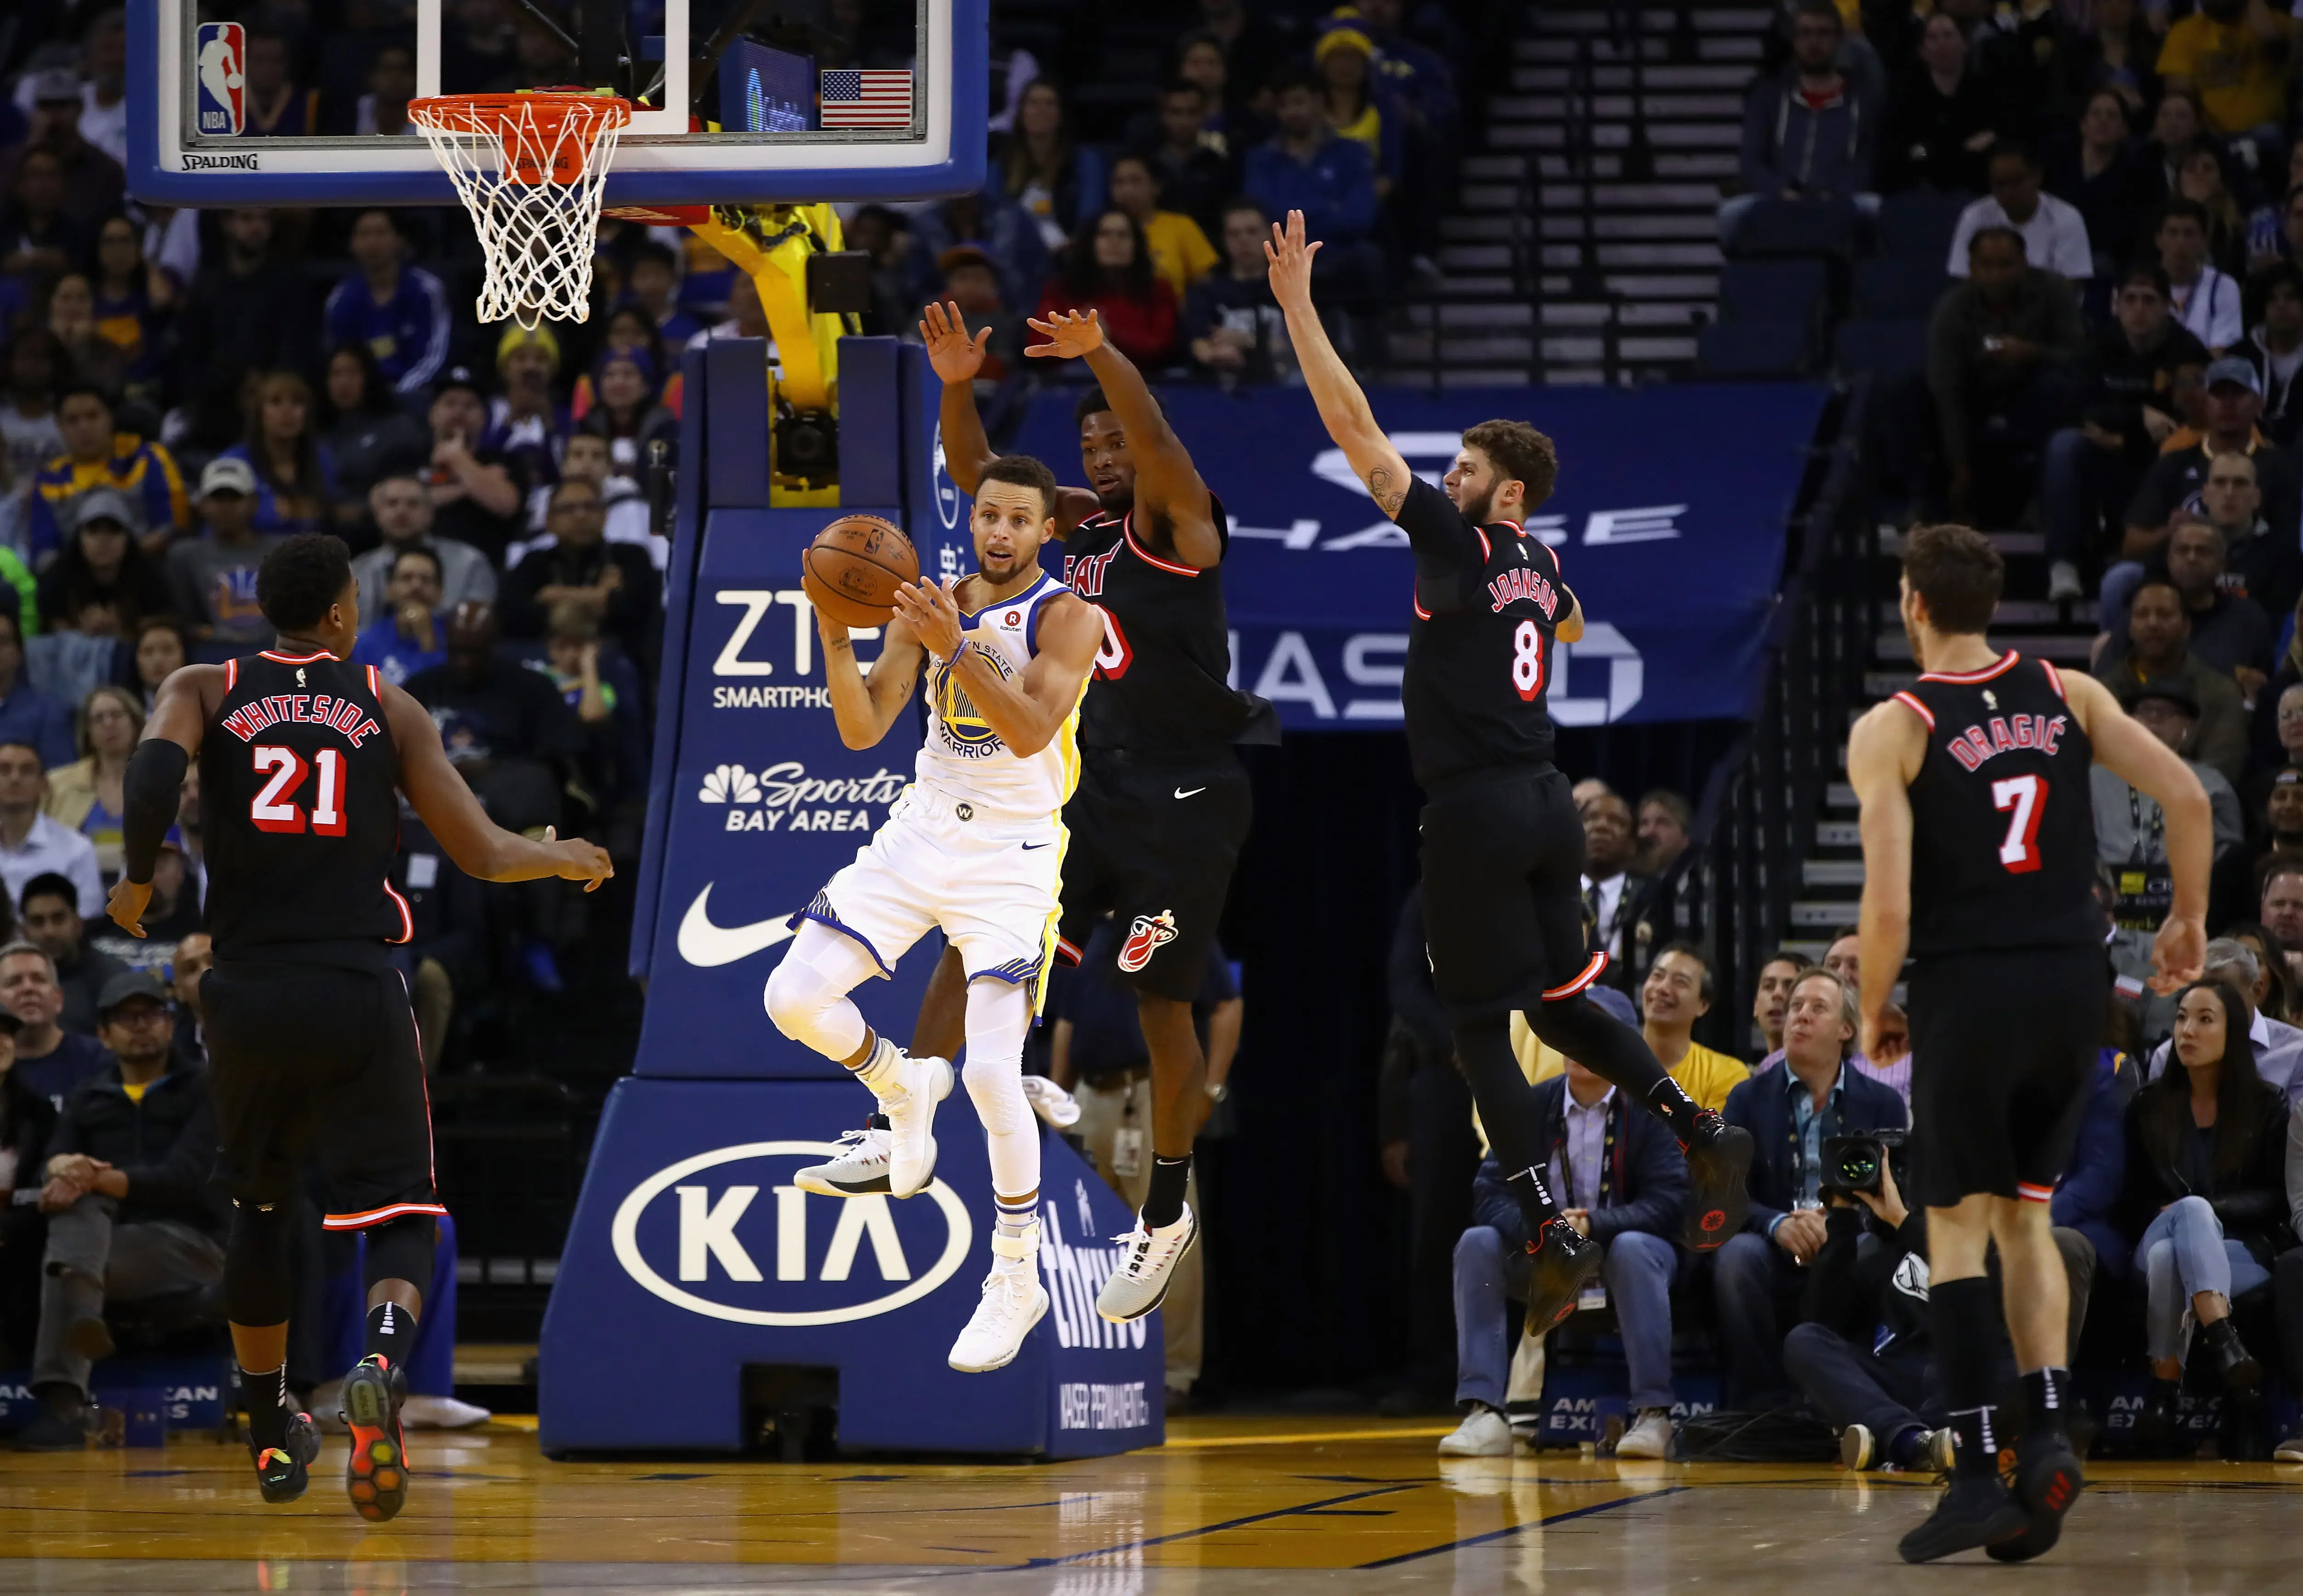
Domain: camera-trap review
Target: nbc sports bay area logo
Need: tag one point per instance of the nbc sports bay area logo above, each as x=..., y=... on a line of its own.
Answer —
x=785, y=798
x=727, y=1235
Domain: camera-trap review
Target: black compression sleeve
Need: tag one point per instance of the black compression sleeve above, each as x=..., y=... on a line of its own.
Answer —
x=152, y=790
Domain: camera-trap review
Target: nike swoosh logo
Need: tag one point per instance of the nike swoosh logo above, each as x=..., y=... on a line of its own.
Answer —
x=1182, y=794
x=1028, y=847
x=707, y=946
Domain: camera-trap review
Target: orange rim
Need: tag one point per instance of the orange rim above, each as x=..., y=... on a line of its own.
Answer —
x=531, y=128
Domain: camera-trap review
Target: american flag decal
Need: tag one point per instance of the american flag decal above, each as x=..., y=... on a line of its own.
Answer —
x=853, y=99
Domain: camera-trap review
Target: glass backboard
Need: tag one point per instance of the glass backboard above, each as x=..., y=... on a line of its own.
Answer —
x=893, y=107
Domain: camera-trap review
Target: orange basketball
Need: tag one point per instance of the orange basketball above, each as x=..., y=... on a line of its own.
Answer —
x=852, y=570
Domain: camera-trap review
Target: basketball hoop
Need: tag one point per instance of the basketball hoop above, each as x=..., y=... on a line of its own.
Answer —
x=530, y=170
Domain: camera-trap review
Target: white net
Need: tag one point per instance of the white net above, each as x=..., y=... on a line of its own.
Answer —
x=530, y=169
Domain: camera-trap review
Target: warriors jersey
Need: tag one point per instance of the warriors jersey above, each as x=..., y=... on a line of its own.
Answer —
x=962, y=755
x=299, y=807
x=2002, y=818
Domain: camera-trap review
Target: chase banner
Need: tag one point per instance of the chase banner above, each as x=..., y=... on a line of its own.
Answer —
x=1667, y=520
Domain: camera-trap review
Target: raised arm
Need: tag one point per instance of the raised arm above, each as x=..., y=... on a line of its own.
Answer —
x=1027, y=710
x=2138, y=758
x=1884, y=753
x=864, y=704
x=1168, y=491
x=957, y=359
x=445, y=804
x=1343, y=409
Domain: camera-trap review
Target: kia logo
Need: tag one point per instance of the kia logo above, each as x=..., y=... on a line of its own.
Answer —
x=822, y=1252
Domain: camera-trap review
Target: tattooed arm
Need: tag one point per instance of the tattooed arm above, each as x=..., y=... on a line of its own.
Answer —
x=1343, y=408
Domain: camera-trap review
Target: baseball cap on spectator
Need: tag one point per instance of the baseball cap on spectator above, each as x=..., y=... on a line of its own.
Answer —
x=104, y=504
x=2169, y=691
x=127, y=987
x=519, y=337
x=1615, y=1002
x=1342, y=38
x=2231, y=368
x=461, y=376
x=56, y=86
x=228, y=474
x=965, y=255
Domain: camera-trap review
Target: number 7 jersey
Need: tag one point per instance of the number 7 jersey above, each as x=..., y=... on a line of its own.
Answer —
x=2002, y=817
x=299, y=808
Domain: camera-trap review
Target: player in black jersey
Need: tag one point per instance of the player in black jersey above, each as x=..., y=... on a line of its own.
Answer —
x=311, y=1040
x=1164, y=803
x=1503, y=846
x=1980, y=862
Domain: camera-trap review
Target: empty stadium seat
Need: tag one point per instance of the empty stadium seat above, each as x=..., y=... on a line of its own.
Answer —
x=1899, y=287
x=1772, y=290
x=1797, y=227
x=1883, y=347
x=1919, y=225
x=1752, y=349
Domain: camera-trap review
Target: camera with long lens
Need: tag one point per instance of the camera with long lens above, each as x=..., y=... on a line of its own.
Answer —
x=1851, y=1164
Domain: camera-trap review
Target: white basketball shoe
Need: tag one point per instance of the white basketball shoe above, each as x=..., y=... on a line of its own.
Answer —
x=1012, y=1302
x=1140, y=1283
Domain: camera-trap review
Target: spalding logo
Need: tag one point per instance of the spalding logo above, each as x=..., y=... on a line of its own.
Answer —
x=865, y=1241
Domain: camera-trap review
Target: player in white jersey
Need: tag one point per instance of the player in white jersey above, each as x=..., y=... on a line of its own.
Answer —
x=975, y=844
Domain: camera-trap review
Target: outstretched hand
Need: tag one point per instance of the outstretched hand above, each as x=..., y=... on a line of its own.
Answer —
x=1069, y=334
x=1290, y=258
x=127, y=905
x=2178, y=954
x=578, y=860
x=932, y=614
x=954, y=356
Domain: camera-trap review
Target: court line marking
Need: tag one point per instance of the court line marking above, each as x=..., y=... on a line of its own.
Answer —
x=1296, y=1438
x=1208, y=1528
x=1534, y=1523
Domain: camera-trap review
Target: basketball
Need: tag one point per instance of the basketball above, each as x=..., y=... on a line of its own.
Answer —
x=853, y=568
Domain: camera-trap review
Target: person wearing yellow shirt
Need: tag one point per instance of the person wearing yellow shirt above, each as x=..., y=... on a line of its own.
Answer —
x=2233, y=55
x=1181, y=254
x=1677, y=993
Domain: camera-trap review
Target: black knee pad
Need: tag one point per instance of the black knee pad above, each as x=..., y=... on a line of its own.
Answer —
x=403, y=1249
x=258, y=1285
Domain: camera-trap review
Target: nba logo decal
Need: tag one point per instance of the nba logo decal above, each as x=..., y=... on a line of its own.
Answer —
x=222, y=78
x=1145, y=937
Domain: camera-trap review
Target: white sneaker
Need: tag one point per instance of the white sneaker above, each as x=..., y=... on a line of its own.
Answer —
x=1483, y=1434
x=908, y=1099
x=1648, y=1436
x=440, y=1412
x=859, y=1169
x=1050, y=1101
x=1141, y=1281
x=2290, y=1451
x=1014, y=1301
x=2064, y=582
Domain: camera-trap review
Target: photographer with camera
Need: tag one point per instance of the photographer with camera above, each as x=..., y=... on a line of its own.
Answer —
x=1863, y=1354
x=1790, y=1108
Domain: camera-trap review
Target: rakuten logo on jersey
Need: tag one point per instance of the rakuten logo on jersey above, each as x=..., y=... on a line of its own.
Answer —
x=785, y=798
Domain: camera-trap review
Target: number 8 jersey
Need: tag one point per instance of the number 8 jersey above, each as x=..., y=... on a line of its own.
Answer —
x=2002, y=816
x=299, y=808
x=1488, y=599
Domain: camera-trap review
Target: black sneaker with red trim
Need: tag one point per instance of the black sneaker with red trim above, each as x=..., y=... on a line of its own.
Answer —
x=1718, y=1169
x=1560, y=1262
x=2048, y=1481
x=282, y=1472
x=375, y=1473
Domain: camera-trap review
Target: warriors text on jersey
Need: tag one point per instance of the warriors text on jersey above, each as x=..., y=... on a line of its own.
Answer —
x=299, y=808
x=962, y=755
x=1488, y=600
x=2002, y=819
x=1162, y=678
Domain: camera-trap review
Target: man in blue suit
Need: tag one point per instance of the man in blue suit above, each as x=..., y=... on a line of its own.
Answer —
x=1790, y=1107
x=1622, y=1182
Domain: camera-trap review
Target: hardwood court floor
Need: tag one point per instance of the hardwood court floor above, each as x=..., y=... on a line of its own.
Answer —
x=1231, y=1507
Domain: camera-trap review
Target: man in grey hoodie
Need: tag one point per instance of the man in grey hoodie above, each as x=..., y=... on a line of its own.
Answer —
x=1812, y=133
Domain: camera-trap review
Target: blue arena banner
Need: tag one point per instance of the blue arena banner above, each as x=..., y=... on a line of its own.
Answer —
x=1668, y=521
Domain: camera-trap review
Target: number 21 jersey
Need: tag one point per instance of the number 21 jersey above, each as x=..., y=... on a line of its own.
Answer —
x=299, y=808
x=1488, y=600
x=2002, y=816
